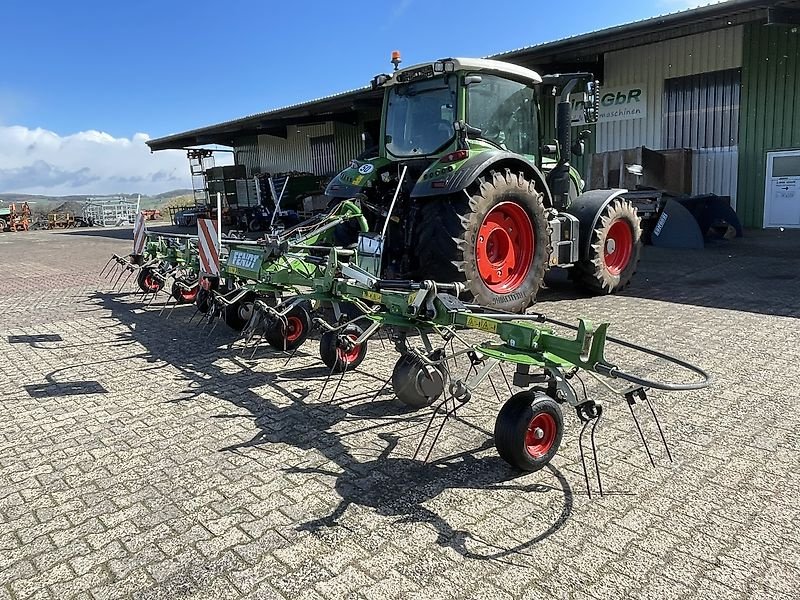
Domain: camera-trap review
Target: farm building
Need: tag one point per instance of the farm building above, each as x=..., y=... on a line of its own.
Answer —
x=719, y=85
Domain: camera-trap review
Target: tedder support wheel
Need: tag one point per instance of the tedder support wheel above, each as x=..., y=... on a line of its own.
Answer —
x=203, y=300
x=341, y=355
x=528, y=430
x=291, y=334
x=184, y=296
x=497, y=240
x=417, y=384
x=147, y=281
x=237, y=315
x=614, y=249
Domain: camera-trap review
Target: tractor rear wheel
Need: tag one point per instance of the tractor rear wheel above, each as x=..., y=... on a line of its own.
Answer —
x=338, y=355
x=496, y=239
x=614, y=249
x=291, y=334
x=528, y=430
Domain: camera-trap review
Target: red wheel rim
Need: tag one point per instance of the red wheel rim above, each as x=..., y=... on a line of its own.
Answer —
x=540, y=435
x=190, y=294
x=504, y=248
x=349, y=356
x=150, y=283
x=618, y=247
x=294, y=329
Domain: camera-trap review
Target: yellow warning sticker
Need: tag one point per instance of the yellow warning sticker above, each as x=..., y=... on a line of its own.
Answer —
x=482, y=324
x=372, y=296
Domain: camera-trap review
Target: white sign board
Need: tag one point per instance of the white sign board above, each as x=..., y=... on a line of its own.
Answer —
x=616, y=104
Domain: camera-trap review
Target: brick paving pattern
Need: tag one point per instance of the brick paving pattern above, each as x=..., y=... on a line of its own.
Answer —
x=147, y=459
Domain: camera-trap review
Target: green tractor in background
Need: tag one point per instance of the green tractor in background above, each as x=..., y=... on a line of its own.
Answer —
x=482, y=198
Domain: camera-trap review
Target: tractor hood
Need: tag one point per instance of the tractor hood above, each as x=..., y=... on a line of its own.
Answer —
x=355, y=178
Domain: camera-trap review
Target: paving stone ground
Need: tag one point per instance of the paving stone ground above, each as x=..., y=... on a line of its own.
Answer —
x=146, y=459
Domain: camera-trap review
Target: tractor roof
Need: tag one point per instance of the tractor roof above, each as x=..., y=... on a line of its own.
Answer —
x=482, y=65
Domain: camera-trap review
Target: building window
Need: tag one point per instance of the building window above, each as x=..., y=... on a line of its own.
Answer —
x=702, y=111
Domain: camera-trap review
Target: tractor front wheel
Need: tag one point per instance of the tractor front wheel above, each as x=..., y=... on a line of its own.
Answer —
x=528, y=430
x=338, y=350
x=496, y=238
x=614, y=249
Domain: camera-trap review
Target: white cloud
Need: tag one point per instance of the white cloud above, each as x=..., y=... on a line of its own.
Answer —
x=38, y=161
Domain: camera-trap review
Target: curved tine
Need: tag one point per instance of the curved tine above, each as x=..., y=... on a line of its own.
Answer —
x=257, y=344
x=658, y=424
x=170, y=298
x=338, y=383
x=641, y=434
x=428, y=427
x=155, y=293
x=113, y=257
x=121, y=273
x=505, y=378
x=448, y=414
x=125, y=282
x=324, y=385
x=583, y=458
x=594, y=448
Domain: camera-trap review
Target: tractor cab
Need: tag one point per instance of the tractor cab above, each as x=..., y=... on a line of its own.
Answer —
x=472, y=192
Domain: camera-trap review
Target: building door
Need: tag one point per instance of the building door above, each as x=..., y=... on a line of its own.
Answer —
x=782, y=190
x=701, y=112
x=323, y=155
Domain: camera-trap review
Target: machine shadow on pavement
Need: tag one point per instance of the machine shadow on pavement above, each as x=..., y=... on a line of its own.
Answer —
x=392, y=486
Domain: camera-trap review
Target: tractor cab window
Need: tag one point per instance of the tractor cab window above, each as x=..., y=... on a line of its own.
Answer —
x=505, y=111
x=419, y=117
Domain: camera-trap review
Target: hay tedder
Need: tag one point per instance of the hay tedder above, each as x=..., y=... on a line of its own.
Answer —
x=324, y=277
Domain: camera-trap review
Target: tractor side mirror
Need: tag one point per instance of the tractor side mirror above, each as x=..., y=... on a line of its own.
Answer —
x=472, y=79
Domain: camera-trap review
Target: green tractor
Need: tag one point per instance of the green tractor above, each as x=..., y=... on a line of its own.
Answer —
x=483, y=198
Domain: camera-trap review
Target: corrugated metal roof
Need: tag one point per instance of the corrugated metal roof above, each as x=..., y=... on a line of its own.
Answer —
x=715, y=15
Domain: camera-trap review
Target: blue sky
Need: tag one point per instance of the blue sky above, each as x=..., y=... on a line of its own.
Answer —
x=81, y=76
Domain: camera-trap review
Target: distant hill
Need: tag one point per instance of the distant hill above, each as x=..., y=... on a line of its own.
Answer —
x=42, y=204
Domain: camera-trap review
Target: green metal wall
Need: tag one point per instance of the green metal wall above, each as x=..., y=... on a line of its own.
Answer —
x=770, y=109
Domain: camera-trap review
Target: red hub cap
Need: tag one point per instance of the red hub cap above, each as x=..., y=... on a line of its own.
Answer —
x=294, y=329
x=540, y=435
x=504, y=248
x=151, y=283
x=349, y=356
x=190, y=294
x=618, y=247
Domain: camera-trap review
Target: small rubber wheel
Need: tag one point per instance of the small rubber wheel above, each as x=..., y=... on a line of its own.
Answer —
x=528, y=430
x=185, y=296
x=203, y=300
x=147, y=281
x=292, y=333
x=417, y=384
x=237, y=315
x=337, y=351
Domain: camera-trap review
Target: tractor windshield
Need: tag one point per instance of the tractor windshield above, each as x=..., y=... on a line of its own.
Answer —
x=419, y=117
x=506, y=113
